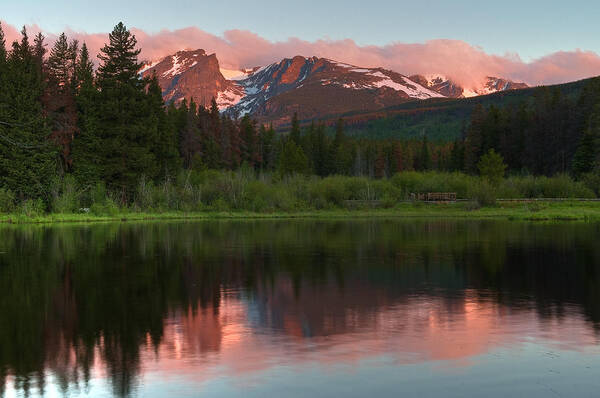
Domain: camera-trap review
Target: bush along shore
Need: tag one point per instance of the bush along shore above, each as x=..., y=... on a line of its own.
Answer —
x=247, y=194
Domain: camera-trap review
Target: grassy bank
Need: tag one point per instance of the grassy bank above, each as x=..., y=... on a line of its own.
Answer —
x=247, y=194
x=532, y=211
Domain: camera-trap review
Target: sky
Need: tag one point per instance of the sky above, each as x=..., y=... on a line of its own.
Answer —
x=515, y=33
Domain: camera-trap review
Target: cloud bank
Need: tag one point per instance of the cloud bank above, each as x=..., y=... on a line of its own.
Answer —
x=466, y=64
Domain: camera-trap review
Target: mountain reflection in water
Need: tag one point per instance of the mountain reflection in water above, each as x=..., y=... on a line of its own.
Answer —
x=179, y=307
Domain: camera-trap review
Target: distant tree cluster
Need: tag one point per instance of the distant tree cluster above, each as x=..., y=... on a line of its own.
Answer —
x=549, y=134
x=59, y=116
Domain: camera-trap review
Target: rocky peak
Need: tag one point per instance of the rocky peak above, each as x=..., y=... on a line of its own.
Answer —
x=193, y=74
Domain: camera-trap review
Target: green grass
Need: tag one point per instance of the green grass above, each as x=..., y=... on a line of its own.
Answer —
x=536, y=211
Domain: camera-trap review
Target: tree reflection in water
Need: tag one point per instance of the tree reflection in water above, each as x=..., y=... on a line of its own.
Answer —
x=109, y=300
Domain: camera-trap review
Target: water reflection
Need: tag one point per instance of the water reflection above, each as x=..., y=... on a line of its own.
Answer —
x=123, y=307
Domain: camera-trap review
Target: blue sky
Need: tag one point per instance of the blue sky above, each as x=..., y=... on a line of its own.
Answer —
x=531, y=28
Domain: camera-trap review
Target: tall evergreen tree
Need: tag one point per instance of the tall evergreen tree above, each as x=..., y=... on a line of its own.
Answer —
x=587, y=157
x=84, y=69
x=2, y=47
x=59, y=99
x=86, y=153
x=190, y=141
x=3, y=64
x=474, y=139
x=295, y=131
x=165, y=146
x=126, y=128
x=251, y=151
x=337, y=153
x=424, y=158
x=292, y=159
x=60, y=62
x=27, y=158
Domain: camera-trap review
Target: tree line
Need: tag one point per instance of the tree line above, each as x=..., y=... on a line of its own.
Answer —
x=60, y=116
x=550, y=133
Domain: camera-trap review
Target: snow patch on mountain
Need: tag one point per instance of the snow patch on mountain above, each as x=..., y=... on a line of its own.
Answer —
x=233, y=74
x=229, y=97
x=175, y=68
x=412, y=89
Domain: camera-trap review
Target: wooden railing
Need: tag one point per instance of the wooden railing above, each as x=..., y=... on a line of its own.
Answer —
x=435, y=197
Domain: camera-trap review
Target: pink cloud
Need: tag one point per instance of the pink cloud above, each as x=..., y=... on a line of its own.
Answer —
x=463, y=62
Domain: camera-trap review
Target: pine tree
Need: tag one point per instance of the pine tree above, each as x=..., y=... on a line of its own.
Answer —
x=2, y=47
x=84, y=69
x=190, y=135
x=474, y=139
x=587, y=157
x=165, y=147
x=338, y=159
x=249, y=138
x=3, y=65
x=268, y=147
x=424, y=159
x=59, y=62
x=126, y=129
x=39, y=51
x=119, y=59
x=492, y=167
x=211, y=138
x=59, y=99
x=295, y=131
x=457, y=156
x=398, y=158
x=380, y=164
x=292, y=160
x=27, y=158
x=86, y=148
x=318, y=150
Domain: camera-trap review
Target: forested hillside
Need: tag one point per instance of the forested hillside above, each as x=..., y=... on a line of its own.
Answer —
x=440, y=119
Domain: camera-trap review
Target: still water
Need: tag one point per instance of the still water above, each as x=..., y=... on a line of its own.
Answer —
x=301, y=308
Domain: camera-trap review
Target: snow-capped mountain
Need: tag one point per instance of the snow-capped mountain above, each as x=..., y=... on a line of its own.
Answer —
x=313, y=87
x=450, y=89
x=314, y=81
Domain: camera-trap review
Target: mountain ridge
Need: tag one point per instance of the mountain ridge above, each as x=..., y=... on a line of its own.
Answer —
x=313, y=87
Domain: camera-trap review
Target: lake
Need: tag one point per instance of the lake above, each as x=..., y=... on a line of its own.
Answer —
x=298, y=308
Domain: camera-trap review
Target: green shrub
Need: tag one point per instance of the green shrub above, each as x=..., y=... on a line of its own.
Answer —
x=98, y=194
x=220, y=205
x=563, y=186
x=188, y=195
x=66, y=197
x=165, y=196
x=592, y=182
x=108, y=207
x=483, y=193
x=387, y=192
x=144, y=194
x=7, y=200
x=329, y=192
x=33, y=207
x=298, y=188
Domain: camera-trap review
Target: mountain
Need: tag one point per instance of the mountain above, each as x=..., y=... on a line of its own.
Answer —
x=313, y=87
x=450, y=89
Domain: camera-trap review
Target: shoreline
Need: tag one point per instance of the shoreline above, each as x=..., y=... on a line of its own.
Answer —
x=520, y=211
